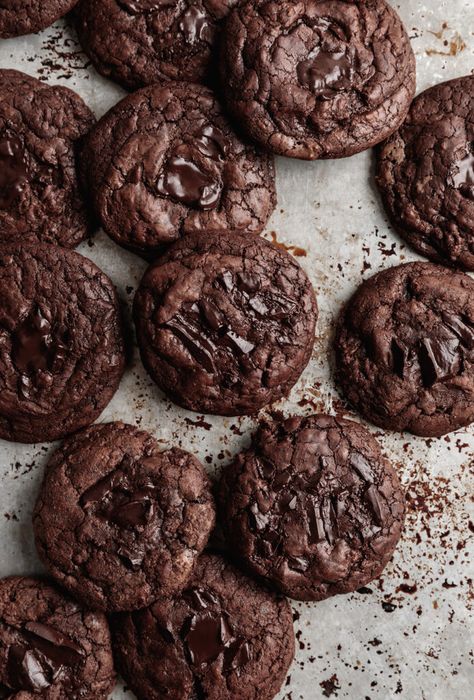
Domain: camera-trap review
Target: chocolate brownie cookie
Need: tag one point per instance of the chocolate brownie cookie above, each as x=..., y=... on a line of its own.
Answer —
x=61, y=347
x=405, y=349
x=224, y=638
x=225, y=323
x=426, y=174
x=317, y=78
x=141, y=42
x=18, y=17
x=49, y=646
x=312, y=506
x=165, y=162
x=118, y=521
x=41, y=131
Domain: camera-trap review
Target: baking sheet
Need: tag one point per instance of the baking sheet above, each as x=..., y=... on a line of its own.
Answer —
x=407, y=635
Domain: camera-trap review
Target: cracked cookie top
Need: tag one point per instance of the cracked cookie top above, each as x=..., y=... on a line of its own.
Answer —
x=61, y=346
x=223, y=638
x=119, y=521
x=317, y=79
x=165, y=162
x=312, y=506
x=41, y=132
x=225, y=322
x=18, y=17
x=425, y=174
x=49, y=646
x=140, y=42
x=405, y=349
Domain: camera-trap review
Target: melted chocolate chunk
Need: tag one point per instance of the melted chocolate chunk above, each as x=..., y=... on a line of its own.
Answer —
x=13, y=170
x=200, y=599
x=28, y=670
x=185, y=181
x=33, y=346
x=439, y=359
x=207, y=637
x=208, y=634
x=53, y=644
x=35, y=664
x=461, y=175
x=211, y=142
x=194, y=341
x=195, y=25
x=399, y=358
x=461, y=328
x=325, y=72
x=362, y=467
x=138, y=7
x=114, y=502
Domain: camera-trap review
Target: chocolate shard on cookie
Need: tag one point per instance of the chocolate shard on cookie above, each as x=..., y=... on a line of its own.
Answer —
x=61, y=345
x=317, y=78
x=405, y=349
x=49, y=646
x=165, y=162
x=19, y=17
x=41, y=132
x=223, y=638
x=141, y=42
x=225, y=322
x=312, y=507
x=120, y=522
x=425, y=174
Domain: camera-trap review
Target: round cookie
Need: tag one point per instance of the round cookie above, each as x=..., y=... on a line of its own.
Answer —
x=405, y=349
x=224, y=638
x=49, y=646
x=165, y=162
x=18, y=17
x=61, y=347
x=141, y=42
x=312, y=506
x=225, y=323
x=425, y=174
x=317, y=79
x=41, y=132
x=119, y=521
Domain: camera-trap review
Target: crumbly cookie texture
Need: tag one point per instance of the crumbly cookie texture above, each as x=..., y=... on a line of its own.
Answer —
x=165, y=162
x=41, y=133
x=144, y=42
x=317, y=79
x=61, y=344
x=225, y=322
x=119, y=521
x=425, y=173
x=223, y=638
x=405, y=349
x=49, y=646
